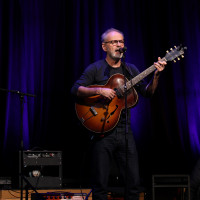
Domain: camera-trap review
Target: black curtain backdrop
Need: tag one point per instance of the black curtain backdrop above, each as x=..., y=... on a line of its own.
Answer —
x=46, y=44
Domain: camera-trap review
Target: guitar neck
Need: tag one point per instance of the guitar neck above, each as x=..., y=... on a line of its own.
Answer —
x=141, y=76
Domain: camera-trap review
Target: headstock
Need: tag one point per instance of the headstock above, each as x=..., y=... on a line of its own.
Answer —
x=177, y=52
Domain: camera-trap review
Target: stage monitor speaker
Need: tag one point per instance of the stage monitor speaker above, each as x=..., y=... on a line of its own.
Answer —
x=42, y=169
x=171, y=187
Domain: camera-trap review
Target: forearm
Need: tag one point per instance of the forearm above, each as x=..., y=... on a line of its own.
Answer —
x=105, y=92
x=86, y=91
x=151, y=87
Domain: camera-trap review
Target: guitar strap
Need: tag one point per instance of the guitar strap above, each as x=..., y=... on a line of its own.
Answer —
x=126, y=67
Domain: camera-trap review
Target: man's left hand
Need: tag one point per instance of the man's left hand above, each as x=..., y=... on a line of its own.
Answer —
x=160, y=66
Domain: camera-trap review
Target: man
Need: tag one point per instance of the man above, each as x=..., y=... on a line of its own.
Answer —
x=112, y=144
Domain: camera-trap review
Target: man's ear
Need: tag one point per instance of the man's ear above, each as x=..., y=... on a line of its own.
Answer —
x=104, y=47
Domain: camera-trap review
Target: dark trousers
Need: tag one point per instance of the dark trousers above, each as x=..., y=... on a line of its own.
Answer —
x=104, y=150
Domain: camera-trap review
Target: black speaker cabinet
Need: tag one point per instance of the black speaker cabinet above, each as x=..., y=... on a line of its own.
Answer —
x=171, y=187
x=42, y=169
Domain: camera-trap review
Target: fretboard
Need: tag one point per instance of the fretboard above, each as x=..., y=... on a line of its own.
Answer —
x=139, y=77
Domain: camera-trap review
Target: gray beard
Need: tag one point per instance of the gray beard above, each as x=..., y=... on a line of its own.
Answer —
x=116, y=56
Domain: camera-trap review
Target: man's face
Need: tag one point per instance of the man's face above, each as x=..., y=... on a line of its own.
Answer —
x=113, y=42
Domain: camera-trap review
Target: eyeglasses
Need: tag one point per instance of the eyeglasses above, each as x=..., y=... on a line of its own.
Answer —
x=115, y=42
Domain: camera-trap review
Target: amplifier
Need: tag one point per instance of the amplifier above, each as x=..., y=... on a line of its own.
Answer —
x=5, y=183
x=171, y=186
x=60, y=196
x=42, y=169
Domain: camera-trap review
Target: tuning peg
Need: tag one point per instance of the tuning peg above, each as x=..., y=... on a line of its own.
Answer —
x=178, y=58
x=182, y=56
x=175, y=47
x=167, y=51
x=174, y=61
x=171, y=49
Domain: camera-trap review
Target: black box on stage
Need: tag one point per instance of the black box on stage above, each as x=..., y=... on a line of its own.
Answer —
x=170, y=187
x=42, y=169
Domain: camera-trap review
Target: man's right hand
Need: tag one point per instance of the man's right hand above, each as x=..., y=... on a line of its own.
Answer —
x=107, y=92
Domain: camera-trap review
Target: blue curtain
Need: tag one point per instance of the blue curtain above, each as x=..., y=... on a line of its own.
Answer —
x=46, y=44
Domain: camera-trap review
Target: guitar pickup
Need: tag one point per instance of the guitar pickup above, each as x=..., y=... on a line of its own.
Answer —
x=93, y=111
